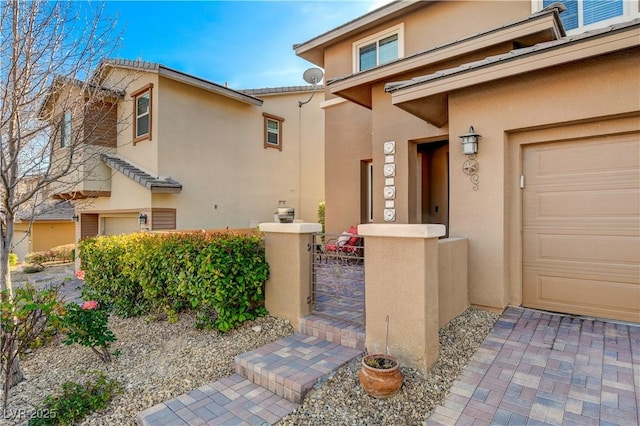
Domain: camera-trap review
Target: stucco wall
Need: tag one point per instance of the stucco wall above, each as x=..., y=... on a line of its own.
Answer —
x=144, y=153
x=355, y=133
x=434, y=25
x=347, y=143
x=584, y=94
x=228, y=177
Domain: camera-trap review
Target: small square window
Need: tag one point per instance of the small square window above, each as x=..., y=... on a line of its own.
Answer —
x=142, y=113
x=378, y=49
x=273, y=131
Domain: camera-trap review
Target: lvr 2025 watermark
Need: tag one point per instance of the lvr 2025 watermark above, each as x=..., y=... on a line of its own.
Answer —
x=23, y=414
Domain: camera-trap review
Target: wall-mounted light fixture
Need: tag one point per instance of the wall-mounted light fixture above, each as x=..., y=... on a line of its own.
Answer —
x=470, y=148
x=142, y=219
x=470, y=142
x=75, y=218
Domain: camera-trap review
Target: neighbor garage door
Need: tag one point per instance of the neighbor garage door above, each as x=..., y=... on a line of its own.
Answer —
x=581, y=227
x=120, y=225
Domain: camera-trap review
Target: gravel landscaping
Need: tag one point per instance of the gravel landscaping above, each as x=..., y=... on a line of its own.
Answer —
x=158, y=361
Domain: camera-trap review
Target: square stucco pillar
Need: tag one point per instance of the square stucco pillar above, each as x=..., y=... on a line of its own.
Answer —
x=401, y=282
x=288, y=288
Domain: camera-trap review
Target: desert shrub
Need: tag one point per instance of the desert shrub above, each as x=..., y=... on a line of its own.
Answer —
x=219, y=275
x=13, y=259
x=74, y=401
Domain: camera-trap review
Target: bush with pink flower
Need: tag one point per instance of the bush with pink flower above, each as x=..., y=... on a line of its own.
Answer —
x=86, y=325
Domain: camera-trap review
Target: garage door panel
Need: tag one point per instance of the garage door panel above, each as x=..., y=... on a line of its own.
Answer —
x=571, y=295
x=581, y=227
x=120, y=225
x=580, y=204
x=615, y=154
x=614, y=250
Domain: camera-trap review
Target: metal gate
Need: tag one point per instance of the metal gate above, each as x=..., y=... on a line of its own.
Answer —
x=337, y=277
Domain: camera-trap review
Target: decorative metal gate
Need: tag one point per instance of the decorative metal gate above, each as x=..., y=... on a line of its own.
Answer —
x=337, y=277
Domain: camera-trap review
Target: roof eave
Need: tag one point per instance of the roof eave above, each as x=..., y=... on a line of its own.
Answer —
x=313, y=50
x=407, y=95
x=209, y=86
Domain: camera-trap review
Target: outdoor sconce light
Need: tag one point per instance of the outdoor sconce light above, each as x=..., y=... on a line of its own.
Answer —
x=470, y=142
x=142, y=219
x=470, y=148
x=75, y=218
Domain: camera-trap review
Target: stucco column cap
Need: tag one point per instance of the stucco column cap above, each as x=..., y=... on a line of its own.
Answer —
x=401, y=230
x=290, y=228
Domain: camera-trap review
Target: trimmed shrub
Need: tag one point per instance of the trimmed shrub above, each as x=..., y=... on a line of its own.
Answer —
x=13, y=259
x=108, y=267
x=220, y=275
x=62, y=253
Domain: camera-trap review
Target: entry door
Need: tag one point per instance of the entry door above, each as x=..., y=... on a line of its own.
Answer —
x=581, y=227
x=434, y=182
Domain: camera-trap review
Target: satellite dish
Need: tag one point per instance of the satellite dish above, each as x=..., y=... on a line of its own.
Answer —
x=313, y=75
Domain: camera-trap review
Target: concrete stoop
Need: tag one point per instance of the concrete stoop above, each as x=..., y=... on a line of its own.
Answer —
x=269, y=383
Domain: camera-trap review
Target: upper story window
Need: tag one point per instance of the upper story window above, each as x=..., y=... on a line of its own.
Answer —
x=273, y=131
x=65, y=129
x=584, y=15
x=377, y=49
x=142, y=113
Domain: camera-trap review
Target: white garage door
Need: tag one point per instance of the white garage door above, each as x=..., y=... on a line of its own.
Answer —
x=120, y=225
x=581, y=227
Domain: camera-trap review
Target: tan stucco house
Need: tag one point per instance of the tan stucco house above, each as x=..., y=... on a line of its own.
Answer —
x=550, y=202
x=180, y=152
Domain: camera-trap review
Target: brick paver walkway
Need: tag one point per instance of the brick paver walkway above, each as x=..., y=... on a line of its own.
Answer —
x=538, y=368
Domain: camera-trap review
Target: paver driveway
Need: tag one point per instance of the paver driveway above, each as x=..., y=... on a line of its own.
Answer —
x=540, y=368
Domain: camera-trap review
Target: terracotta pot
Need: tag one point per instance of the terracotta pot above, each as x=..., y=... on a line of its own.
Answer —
x=380, y=382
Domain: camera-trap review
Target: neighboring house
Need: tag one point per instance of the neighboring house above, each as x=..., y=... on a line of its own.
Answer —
x=180, y=152
x=550, y=203
x=51, y=225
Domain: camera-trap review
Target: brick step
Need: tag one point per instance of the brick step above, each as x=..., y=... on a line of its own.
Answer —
x=340, y=332
x=231, y=400
x=293, y=365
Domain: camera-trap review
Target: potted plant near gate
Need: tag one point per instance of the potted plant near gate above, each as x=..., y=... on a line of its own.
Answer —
x=380, y=375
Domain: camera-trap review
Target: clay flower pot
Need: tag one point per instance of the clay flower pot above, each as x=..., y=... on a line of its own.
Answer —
x=380, y=375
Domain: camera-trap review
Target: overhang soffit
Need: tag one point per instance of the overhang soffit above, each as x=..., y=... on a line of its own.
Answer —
x=434, y=110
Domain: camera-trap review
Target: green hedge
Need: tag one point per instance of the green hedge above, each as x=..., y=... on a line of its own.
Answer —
x=220, y=275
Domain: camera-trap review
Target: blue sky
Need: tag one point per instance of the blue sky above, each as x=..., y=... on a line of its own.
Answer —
x=247, y=44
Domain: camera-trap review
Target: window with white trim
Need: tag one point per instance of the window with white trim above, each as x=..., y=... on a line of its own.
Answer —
x=378, y=49
x=142, y=102
x=584, y=15
x=272, y=131
x=65, y=129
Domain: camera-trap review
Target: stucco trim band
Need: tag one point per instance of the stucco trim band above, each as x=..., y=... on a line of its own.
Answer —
x=290, y=228
x=402, y=230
